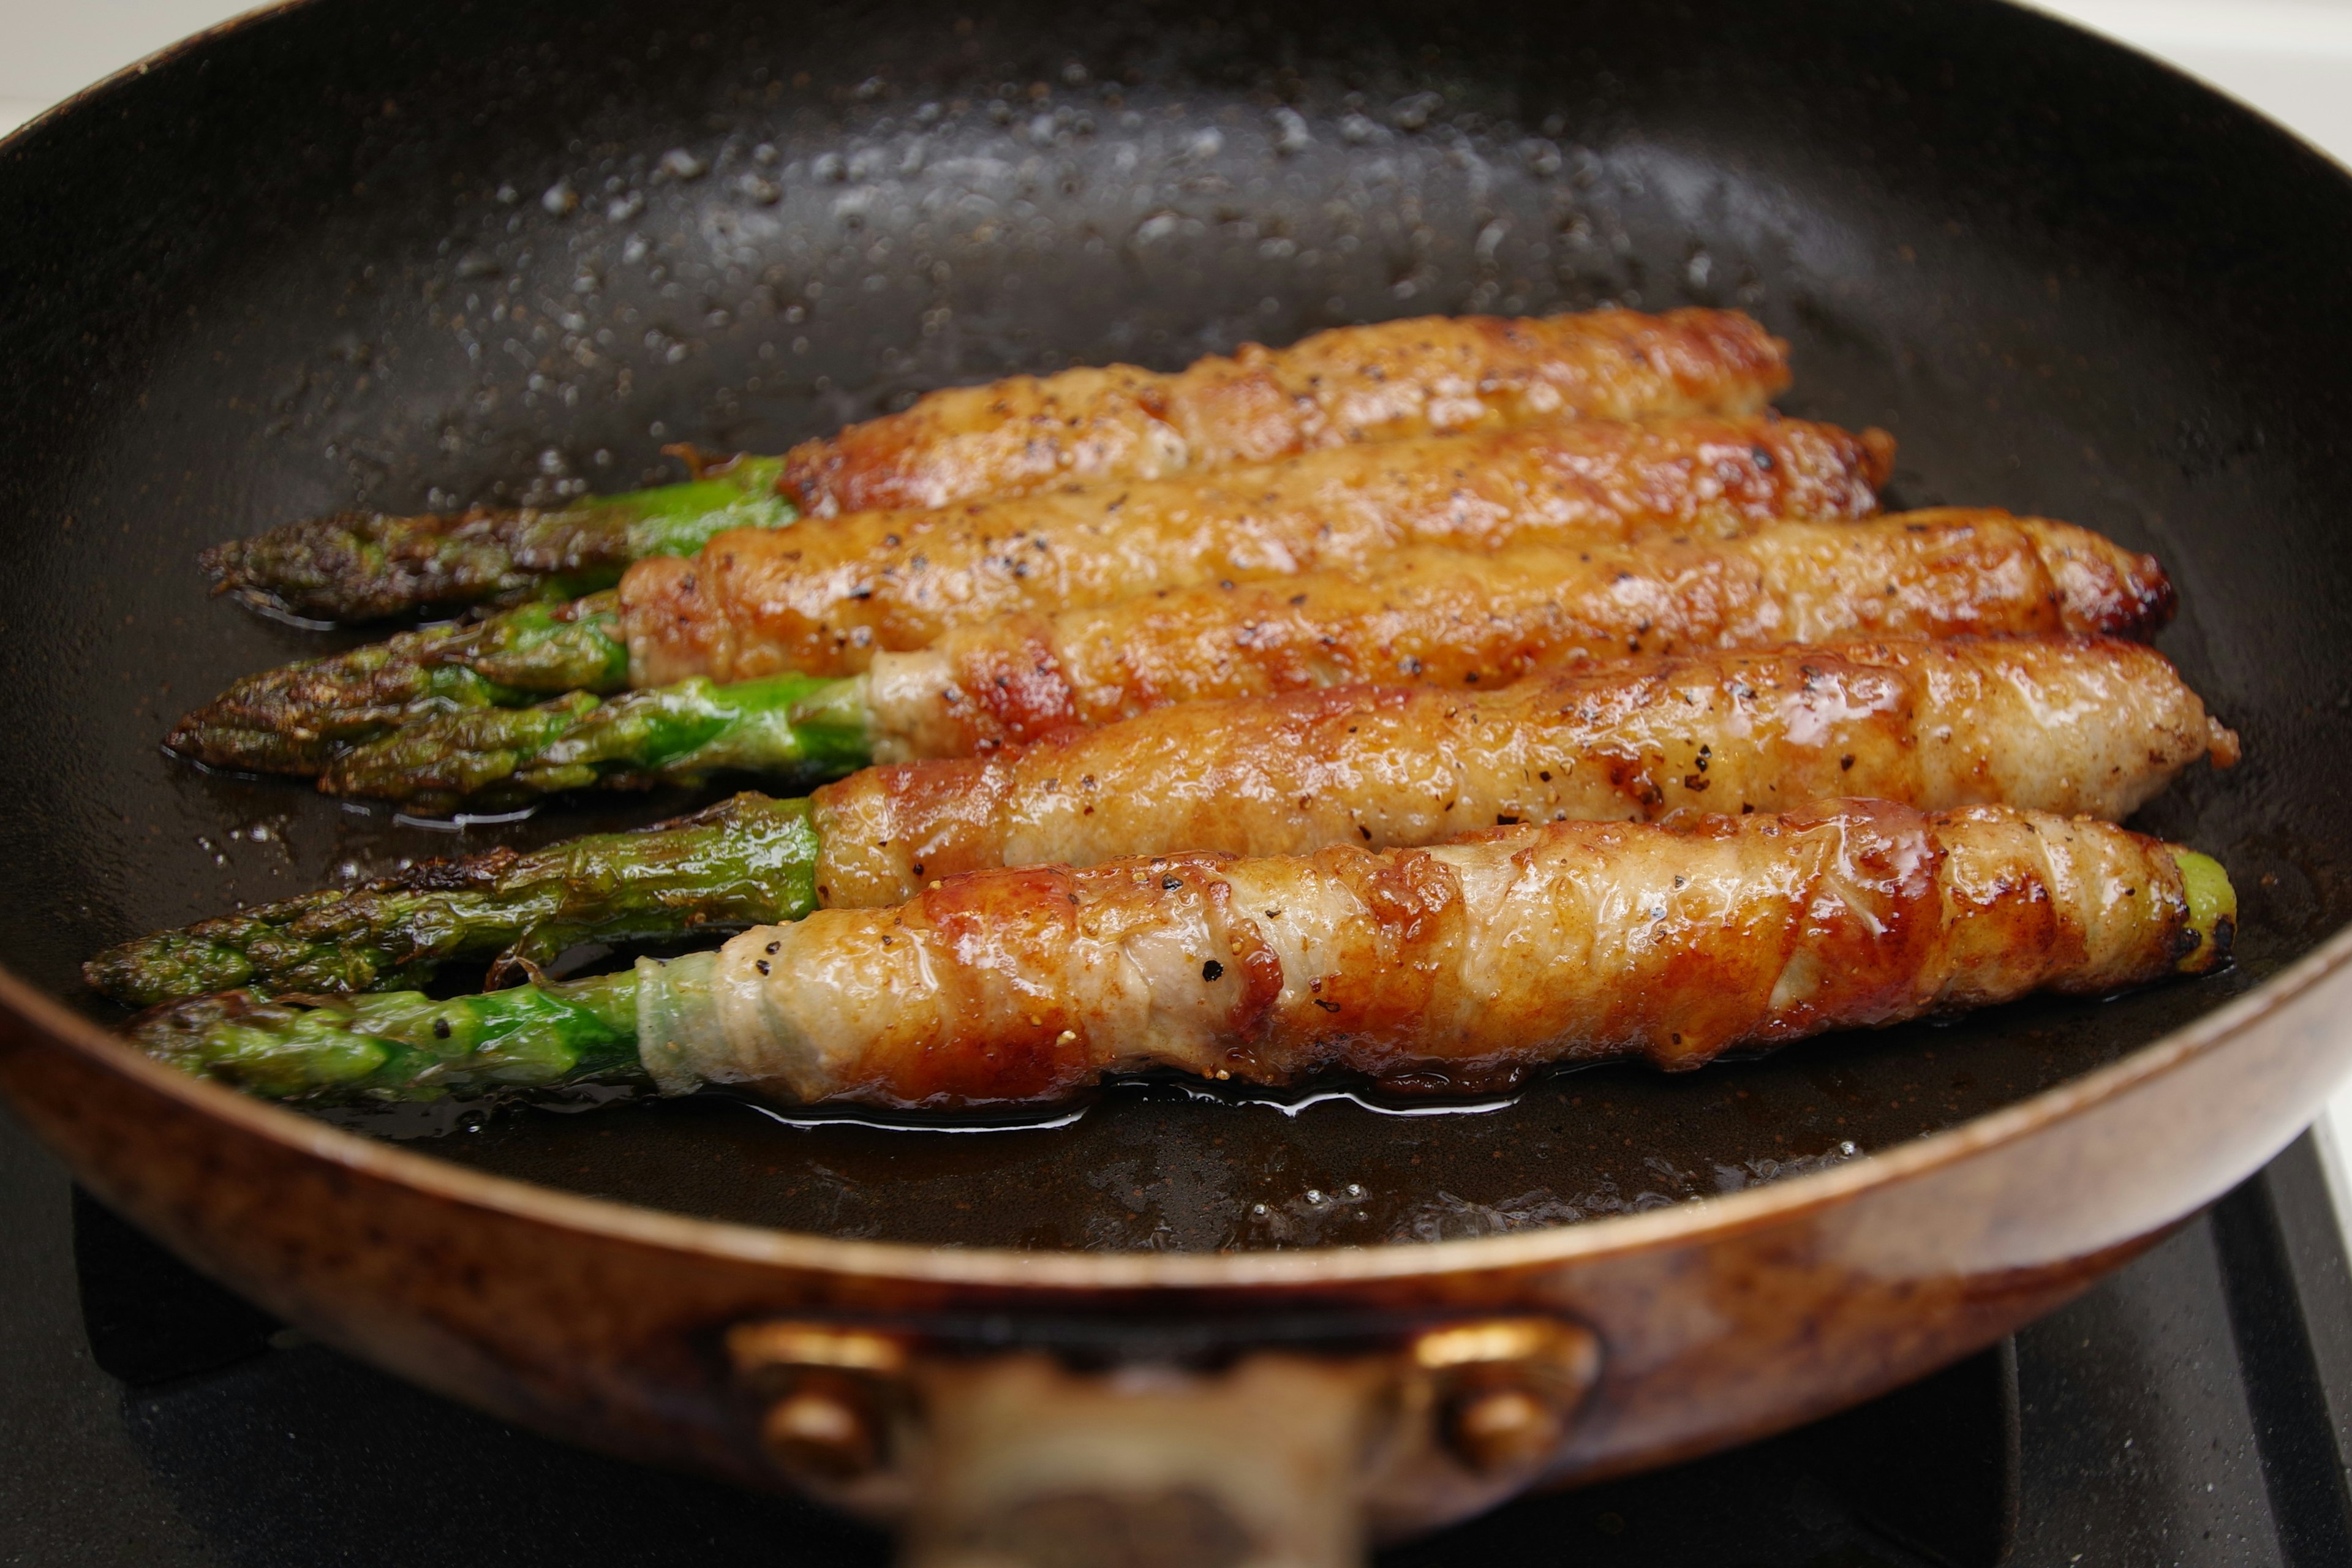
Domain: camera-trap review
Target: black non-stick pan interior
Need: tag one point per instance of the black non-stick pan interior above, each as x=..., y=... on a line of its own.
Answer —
x=378, y=252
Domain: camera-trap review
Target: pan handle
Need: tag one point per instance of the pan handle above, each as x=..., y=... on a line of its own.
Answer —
x=1274, y=1458
x=1034, y=1464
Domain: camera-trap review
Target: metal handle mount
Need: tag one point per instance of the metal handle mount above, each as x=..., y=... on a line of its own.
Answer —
x=1266, y=1459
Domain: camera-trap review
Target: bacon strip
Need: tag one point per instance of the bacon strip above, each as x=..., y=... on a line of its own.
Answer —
x=1459, y=966
x=1431, y=375
x=823, y=600
x=1445, y=617
x=2074, y=725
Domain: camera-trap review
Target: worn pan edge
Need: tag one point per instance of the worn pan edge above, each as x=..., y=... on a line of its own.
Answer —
x=142, y=66
x=2178, y=73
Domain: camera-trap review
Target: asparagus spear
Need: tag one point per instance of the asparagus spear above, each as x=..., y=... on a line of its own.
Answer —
x=2052, y=724
x=749, y=860
x=297, y=718
x=1023, y=434
x=788, y=724
x=637, y=1026
x=355, y=566
x=403, y=1045
x=892, y=581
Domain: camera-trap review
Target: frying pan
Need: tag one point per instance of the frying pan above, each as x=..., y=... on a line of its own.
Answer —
x=378, y=252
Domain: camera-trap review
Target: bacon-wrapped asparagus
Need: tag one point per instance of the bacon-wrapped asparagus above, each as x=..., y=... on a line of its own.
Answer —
x=826, y=601
x=1427, y=375
x=891, y=580
x=1434, y=617
x=2075, y=725
x=1357, y=383
x=2079, y=726
x=1460, y=966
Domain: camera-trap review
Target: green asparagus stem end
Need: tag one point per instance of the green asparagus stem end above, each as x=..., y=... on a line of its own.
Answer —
x=298, y=718
x=402, y=1045
x=791, y=725
x=357, y=566
x=749, y=860
x=2212, y=912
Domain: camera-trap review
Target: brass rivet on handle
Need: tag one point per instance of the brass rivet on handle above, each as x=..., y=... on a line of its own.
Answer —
x=825, y=1426
x=1501, y=1428
x=830, y=1391
x=1507, y=1388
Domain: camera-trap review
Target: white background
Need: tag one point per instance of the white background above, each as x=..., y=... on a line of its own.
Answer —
x=2291, y=58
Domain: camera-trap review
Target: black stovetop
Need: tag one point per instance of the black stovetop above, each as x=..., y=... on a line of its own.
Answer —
x=2190, y=1411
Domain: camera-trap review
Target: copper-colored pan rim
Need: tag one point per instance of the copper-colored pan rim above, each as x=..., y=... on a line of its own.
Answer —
x=1086, y=1272
x=1073, y=1271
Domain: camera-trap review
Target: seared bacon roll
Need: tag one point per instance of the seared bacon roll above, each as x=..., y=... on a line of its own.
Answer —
x=2068, y=724
x=1428, y=375
x=1462, y=966
x=2091, y=726
x=825, y=600
x=1450, y=619
x=1459, y=967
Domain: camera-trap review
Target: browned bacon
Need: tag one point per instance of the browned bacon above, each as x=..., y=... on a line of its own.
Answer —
x=1430, y=375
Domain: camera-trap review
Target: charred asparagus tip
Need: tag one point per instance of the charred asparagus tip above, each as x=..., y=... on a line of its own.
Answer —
x=402, y=1045
x=649, y=1022
x=357, y=566
x=2212, y=912
x=749, y=860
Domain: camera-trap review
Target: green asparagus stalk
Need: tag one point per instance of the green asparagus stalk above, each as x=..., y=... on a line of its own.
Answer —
x=357, y=566
x=403, y=1045
x=491, y=758
x=297, y=718
x=749, y=860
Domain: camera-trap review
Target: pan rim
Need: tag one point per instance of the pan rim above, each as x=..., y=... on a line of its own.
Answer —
x=265, y=9
x=1683, y=1224
x=2211, y=89
x=144, y=64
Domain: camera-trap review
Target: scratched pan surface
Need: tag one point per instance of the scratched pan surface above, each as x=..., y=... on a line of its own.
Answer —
x=374, y=252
